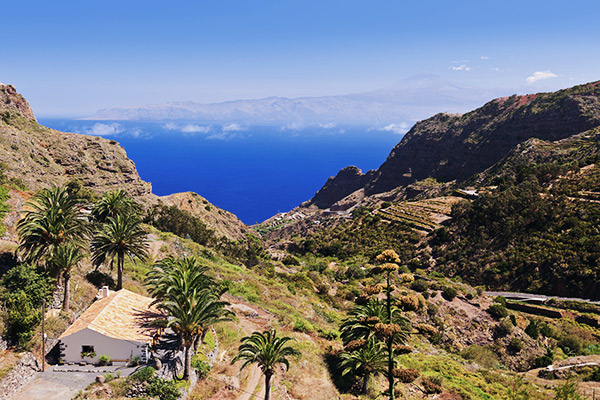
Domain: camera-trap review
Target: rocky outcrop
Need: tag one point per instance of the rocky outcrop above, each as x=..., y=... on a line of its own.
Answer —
x=222, y=222
x=35, y=157
x=347, y=181
x=13, y=102
x=451, y=147
x=455, y=147
x=39, y=157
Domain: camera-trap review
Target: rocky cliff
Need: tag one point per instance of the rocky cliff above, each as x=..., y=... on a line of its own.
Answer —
x=35, y=157
x=454, y=147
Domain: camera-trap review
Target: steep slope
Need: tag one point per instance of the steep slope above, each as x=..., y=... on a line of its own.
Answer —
x=222, y=222
x=40, y=156
x=34, y=157
x=454, y=147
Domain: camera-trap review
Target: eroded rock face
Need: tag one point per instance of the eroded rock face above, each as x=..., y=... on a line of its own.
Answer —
x=347, y=181
x=11, y=101
x=37, y=157
x=450, y=147
x=455, y=147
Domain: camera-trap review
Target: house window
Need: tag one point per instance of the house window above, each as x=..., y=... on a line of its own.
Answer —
x=87, y=351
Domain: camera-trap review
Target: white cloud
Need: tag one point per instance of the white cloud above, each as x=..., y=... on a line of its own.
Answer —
x=462, y=67
x=189, y=128
x=100, y=129
x=395, y=128
x=195, y=129
x=170, y=126
x=539, y=75
x=329, y=125
x=293, y=126
x=486, y=58
x=232, y=128
x=495, y=69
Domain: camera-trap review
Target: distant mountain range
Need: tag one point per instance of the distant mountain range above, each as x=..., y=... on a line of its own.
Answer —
x=407, y=101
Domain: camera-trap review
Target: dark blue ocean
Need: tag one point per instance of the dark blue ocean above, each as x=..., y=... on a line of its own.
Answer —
x=252, y=171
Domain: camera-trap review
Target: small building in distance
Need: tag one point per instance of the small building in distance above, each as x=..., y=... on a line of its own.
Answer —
x=115, y=325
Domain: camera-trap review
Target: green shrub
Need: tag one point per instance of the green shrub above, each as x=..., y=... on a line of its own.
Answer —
x=571, y=345
x=497, y=311
x=533, y=329
x=103, y=359
x=419, y=285
x=504, y=328
x=26, y=287
x=290, y=260
x=513, y=319
x=515, y=345
x=201, y=366
x=594, y=376
x=545, y=360
x=482, y=355
x=500, y=300
x=568, y=390
x=449, y=293
x=162, y=389
x=329, y=335
x=143, y=375
x=108, y=377
x=301, y=325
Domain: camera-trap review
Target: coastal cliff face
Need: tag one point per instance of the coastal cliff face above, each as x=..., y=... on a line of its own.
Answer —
x=455, y=147
x=347, y=181
x=35, y=157
x=40, y=157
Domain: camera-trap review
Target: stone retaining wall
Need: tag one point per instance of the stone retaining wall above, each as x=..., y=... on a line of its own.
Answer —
x=22, y=373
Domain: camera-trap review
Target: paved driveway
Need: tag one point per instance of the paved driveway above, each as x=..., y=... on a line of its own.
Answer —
x=57, y=384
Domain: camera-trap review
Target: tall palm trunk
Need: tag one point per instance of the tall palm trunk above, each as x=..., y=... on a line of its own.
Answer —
x=67, y=295
x=365, y=384
x=120, y=261
x=268, y=376
x=188, y=361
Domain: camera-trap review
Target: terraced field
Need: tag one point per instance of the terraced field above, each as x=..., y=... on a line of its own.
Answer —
x=423, y=215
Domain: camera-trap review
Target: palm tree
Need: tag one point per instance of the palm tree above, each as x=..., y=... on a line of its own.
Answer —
x=368, y=360
x=52, y=218
x=121, y=236
x=171, y=274
x=190, y=299
x=190, y=313
x=112, y=204
x=65, y=258
x=267, y=350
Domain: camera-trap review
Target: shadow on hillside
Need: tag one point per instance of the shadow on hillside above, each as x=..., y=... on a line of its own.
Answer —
x=100, y=279
x=344, y=384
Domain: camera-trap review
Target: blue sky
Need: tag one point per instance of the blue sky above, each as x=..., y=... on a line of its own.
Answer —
x=70, y=58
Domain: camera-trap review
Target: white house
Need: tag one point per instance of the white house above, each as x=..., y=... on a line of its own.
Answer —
x=114, y=325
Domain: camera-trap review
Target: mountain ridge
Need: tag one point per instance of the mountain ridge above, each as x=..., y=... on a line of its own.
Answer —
x=408, y=100
x=450, y=147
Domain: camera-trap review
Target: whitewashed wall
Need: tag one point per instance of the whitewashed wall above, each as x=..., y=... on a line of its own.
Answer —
x=116, y=349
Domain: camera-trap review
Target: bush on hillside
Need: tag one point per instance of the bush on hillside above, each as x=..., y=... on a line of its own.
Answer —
x=419, y=285
x=497, y=311
x=449, y=293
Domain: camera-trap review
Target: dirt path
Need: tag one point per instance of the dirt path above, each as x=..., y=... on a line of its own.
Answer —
x=250, y=319
x=587, y=389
